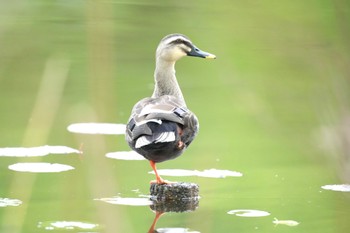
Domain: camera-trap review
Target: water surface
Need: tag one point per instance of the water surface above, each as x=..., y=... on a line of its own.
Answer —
x=273, y=107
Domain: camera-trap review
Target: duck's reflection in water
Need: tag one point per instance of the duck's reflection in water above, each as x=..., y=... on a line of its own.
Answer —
x=177, y=198
x=160, y=207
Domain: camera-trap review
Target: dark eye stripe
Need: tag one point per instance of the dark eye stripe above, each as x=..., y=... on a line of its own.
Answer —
x=181, y=41
x=188, y=44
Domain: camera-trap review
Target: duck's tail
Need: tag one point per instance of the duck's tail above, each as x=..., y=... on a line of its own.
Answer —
x=155, y=132
x=157, y=141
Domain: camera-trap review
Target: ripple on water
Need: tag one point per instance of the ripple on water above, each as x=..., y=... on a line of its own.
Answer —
x=248, y=213
x=4, y=202
x=337, y=187
x=36, y=151
x=40, y=167
x=210, y=173
x=68, y=225
x=97, y=128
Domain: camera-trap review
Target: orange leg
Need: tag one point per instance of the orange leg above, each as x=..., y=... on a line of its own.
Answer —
x=159, y=180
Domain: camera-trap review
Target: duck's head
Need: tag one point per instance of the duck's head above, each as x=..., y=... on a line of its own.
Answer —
x=175, y=46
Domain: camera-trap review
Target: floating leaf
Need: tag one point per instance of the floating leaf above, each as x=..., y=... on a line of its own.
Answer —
x=97, y=128
x=125, y=155
x=9, y=202
x=40, y=167
x=211, y=173
x=67, y=225
x=36, y=151
x=131, y=201
x=337, y=187
x=175, y=230
x=248, y=213
x=290, y=223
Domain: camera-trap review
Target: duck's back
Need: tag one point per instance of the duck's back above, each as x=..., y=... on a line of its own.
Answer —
x=161, y=128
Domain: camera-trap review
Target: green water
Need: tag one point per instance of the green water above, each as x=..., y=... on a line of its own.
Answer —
x=274, y=106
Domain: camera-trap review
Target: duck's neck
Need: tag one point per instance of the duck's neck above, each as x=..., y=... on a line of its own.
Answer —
x=165, y=80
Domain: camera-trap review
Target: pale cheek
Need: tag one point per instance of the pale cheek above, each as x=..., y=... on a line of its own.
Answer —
x=173, y=55
x=178, y=54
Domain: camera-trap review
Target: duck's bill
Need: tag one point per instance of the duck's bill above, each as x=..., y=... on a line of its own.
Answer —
x=196, y=52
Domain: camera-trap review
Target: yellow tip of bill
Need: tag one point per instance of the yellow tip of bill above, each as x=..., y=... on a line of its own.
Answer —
x=210, y=56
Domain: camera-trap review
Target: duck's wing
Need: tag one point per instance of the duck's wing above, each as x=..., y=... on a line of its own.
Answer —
x=164, y=108
x=190, y=129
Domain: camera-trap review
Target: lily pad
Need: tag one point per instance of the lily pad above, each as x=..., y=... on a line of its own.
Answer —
x=4, y=202
x=337, y=187
x=40, y=167
x=130, y=201
x=97, y=128
x=68, y=225
x=36, y=151
x=248, y=213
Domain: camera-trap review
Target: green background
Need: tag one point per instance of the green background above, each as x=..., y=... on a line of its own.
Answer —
x=274, y=105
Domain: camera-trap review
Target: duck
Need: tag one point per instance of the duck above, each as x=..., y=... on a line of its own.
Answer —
x=161, y=127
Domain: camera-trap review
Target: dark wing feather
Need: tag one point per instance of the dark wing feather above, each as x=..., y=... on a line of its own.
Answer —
x=163, y=108
x=191, y=127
